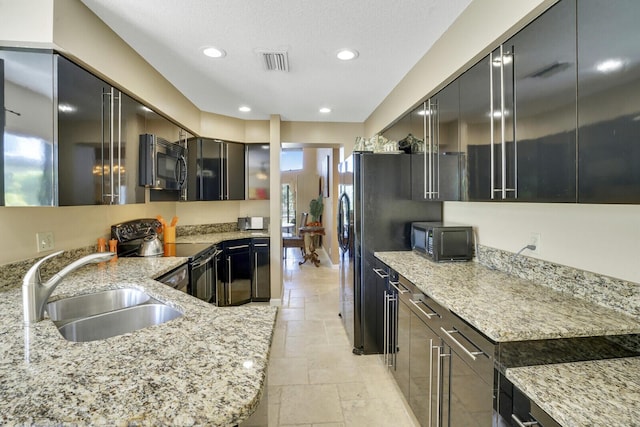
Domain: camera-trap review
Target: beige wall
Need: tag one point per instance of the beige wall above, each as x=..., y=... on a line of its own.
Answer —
x=26, y=23
x=482, y=25
x=82, y=35
x=73, y=227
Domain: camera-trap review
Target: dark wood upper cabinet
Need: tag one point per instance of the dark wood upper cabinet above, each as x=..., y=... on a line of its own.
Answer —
x=98, y=128
x=518, y=115
x=608, y=102
x=544, y=106
x=435, y=173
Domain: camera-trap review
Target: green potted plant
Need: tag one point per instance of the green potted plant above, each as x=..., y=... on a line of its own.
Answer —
x=315, y=210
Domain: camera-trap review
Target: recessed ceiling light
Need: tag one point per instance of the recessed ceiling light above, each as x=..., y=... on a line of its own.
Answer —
x=214, y=52
x=325, y=110
x=609, y=65
x=347, y=54
x=244, y=109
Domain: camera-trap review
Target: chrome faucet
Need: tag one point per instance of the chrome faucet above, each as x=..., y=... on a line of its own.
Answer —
x=35, y=294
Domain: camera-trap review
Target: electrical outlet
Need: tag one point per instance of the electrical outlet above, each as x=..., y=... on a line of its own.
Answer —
x=536, y=240
x=45, y=241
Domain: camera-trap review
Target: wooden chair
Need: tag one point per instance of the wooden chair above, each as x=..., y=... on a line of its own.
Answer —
x=295, y=240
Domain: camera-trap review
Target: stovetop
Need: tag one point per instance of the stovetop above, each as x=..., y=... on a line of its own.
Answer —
x=186, y=250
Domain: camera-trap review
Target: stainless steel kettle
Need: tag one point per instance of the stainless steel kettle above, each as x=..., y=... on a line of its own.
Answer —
x=151, y=246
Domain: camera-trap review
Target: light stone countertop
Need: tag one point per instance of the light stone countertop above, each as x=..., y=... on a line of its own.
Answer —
x=592, y=393
x=207, y=367
x=504, y=307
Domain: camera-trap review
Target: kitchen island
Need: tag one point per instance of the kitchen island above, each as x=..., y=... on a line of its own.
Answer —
x=200, y=368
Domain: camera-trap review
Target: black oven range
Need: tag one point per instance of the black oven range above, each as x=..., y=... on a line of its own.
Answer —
x=198, y=276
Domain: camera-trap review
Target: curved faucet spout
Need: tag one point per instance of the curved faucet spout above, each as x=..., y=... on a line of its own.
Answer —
x=35, y=293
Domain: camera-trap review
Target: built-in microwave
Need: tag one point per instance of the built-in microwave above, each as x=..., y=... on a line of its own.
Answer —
x=442, y=241
x=162, y=163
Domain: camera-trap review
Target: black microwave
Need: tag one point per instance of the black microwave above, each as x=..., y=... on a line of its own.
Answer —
x=441, y=241
x=162, y=163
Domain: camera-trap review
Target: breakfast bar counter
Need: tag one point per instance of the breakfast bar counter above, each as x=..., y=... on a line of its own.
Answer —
x=198, y=369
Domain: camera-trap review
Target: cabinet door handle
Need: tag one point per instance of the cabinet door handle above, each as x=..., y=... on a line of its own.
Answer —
x=430, y=403
x=229, y=282
x=429, y=315
x=227, y=168
x=255, y=269
x=119, y=98
x=381, y=273
x=515, y=418
x=472, y=354
x=395, y=286
x=238, y=247
x=425, y=133
x=385, y=323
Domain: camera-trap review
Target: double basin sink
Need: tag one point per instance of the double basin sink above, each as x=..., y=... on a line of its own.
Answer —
x=105, y=314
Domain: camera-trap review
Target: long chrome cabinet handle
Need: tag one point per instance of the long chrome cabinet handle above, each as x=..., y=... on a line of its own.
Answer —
x=119, y=97
x=238, y=247
x=396, y=287
x=430, y=171
x=491, y=131
x=385, y=322
x=261, y=245
x=227, y=145
x=229, y=282
x=429, y=315
x=429, y=400
x=394, y=340
x=255, y=271
x=502, y=126
x=472, y=354
x=424, y=153
x=381, y=273
x=515, y=418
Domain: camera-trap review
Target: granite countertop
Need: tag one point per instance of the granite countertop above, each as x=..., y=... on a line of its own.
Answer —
x=221, y=237
x=201, y=368
x=504, y=307
x=592, y=393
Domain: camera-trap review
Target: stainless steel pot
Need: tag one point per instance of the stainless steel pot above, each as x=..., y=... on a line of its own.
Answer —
x=151, y=246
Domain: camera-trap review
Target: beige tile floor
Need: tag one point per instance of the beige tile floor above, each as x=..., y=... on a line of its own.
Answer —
x=314, y=379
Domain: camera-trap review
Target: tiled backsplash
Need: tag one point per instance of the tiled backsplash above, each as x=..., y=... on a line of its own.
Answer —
x=610, y=292
x=11, y=274
x=189, y=230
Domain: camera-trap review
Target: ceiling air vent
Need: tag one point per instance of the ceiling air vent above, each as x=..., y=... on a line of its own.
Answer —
x=275, y=61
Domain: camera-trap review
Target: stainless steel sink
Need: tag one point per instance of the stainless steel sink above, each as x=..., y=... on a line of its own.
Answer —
x=117, y=322
x=96, y=303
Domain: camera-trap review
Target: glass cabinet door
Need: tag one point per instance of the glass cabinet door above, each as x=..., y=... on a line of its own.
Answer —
x=28, y=174
x=608, y=102
x=257, y=180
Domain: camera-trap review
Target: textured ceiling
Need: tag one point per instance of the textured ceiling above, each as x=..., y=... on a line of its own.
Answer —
x=390, y=36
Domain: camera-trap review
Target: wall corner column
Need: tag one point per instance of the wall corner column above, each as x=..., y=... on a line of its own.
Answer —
x=275, y=232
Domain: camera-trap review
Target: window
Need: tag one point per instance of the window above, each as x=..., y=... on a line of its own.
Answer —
x=291, y=159
x=288, y=206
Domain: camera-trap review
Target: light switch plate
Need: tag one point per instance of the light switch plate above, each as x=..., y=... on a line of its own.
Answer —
x=45, y=241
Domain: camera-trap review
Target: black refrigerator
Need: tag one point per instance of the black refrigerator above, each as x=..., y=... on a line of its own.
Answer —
x=375, y=212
